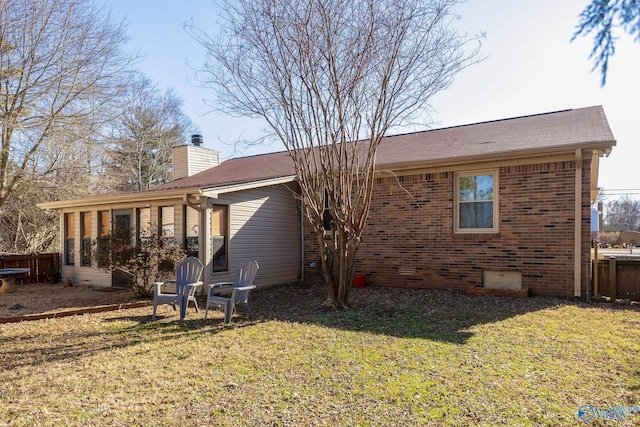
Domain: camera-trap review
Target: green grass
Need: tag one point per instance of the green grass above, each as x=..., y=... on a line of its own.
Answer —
x=398, y=357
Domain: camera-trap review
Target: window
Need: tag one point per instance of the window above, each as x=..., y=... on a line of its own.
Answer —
x=327, y=219
x=122, y=226
x=69, y=243
x=220, y=237
x=191, y=217
x=121, y=235
x=104, y=225
x=476, y=202
x=143, y=224
x=85, y=230
x=167, y=222
x=143, y=221
x=166, y=234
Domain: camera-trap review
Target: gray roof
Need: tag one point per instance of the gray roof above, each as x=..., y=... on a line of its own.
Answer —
x=237, y=171
x=507, y=138
x=560, y=132
x=528, y=135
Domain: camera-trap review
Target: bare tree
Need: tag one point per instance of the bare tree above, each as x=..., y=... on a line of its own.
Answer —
x=151, y=124
x=60, y=68
x=24, y=228
x=330, y=77
x=622, y=214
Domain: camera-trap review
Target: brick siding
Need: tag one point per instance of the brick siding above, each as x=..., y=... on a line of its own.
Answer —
x=409, y=240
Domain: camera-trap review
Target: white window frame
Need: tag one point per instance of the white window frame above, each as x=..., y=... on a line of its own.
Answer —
x=456, y=202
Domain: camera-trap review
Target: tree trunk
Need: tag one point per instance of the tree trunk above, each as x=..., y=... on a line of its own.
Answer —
x=337, y=254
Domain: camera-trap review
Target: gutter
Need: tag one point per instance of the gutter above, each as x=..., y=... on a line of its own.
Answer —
x=184, y=193
x=107, y=199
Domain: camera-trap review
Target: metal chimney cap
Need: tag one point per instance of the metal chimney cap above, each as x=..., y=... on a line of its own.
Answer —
x=196, y=140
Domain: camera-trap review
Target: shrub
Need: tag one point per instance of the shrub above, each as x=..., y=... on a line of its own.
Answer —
x=151, y=259
x=608, y=238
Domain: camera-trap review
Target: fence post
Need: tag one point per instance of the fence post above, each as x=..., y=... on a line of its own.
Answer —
x=612, y=277
x=588, y=269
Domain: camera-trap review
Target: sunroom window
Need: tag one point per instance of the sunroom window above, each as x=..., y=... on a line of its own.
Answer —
x=69, y=241
x=191, y=219
x=220, y=237
x=85, y=229
x=104, y=227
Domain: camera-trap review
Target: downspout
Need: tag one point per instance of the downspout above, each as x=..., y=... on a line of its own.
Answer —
x=203, y=242
x=577, y=268
x=197, y=204
x=301, y=240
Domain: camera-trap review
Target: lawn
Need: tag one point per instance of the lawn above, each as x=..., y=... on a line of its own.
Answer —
x=398, y=357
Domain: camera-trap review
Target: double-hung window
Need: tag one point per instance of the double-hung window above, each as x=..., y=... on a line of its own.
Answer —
x=476, y=202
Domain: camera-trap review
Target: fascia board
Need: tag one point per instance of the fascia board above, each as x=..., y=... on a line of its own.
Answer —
x=119, y=198
x=162, y=195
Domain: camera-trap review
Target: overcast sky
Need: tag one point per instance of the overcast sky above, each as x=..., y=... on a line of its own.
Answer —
x=530, y=67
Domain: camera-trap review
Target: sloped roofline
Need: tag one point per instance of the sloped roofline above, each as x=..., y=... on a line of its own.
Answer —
x=550, y=133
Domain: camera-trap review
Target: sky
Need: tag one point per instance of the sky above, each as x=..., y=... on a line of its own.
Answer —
x=529, y=67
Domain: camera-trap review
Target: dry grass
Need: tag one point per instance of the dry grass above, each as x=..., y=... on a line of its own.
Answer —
x=48, y=298
x=399, y=357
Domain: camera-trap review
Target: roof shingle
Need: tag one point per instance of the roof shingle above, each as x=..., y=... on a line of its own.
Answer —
x=525, y=135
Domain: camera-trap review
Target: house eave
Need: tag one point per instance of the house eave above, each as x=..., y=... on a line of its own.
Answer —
x=602, y=148
x=599, y=147
x=151, y=195
x=111, y=199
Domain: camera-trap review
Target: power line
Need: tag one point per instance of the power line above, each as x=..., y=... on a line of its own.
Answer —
x=619, y=191
x=620, y=194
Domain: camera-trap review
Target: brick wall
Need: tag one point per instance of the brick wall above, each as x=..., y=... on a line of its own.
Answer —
x=409, y=239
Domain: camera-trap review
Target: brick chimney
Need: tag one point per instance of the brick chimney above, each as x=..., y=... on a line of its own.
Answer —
x=189, y=159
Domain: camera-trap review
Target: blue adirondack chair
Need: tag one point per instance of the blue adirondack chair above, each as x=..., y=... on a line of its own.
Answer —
x=188, y=274
x=240, y=289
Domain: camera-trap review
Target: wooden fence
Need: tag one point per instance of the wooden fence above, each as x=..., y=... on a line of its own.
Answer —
x=618, y=277
x=41, y=267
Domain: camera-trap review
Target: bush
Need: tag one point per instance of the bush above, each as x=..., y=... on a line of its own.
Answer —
x=608, y=239
x=151, y=259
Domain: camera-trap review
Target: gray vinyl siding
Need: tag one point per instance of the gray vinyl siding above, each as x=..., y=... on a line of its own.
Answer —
x=189, y=160
x=180, y=164
x=202, y=160
x=88, y=275
x=264, y=225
